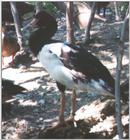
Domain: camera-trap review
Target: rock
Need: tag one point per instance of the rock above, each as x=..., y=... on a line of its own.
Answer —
x=100, y=117
x=96, y=111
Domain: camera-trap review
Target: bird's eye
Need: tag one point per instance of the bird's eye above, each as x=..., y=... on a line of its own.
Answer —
x=50, y=51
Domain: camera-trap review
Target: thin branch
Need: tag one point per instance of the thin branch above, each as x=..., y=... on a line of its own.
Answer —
x=39, y=6
x=17, y=23
x=69, y=22
x=117, y=80
x=87, y=32
x=116, y=11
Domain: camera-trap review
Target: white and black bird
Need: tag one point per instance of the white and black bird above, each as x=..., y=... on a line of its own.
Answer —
x=71, y=66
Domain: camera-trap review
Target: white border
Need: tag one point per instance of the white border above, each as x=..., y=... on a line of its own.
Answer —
x=50, y=1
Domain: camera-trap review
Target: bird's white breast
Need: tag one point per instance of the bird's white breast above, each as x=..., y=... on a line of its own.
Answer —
x=49, y=57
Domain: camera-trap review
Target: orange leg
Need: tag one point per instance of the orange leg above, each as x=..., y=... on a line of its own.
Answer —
x=73, y=107
x=61, y=121
x=61, y=117
x=73, y=103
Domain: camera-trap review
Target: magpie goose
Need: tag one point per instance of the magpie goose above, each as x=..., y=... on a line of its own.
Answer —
x=9, y=89
x=10, y=46
x=71, y=66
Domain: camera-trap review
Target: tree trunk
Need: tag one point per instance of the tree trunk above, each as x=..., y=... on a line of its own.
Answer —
x=17, y=24
x=69, y=22
x=38, y=6
x=116, y=12
x=117, y=80
x=87, y=32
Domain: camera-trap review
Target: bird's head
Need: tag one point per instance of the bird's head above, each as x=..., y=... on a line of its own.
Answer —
x=44, y=27
x=44, y=20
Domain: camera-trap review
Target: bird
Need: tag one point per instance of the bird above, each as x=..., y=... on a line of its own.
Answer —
x=9, y=89
x=70, y=65
x=10, y=46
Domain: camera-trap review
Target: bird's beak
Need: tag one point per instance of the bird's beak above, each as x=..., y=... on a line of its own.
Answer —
x=34, y=23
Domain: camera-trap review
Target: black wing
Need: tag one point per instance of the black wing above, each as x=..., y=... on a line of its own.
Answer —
x=82, y=61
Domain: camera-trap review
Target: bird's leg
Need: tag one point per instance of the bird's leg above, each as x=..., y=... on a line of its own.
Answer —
x=62, y=109
x=73, y=106
x=61, y=121
x=73, y=102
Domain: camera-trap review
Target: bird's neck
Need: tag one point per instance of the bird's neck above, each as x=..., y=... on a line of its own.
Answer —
x=38, y=39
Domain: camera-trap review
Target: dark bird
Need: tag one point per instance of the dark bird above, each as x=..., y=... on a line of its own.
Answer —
x=10, y=46
x=9, y=89
x=71, y=66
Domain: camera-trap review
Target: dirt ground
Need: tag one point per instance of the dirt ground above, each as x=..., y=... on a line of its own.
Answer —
x=36, y=109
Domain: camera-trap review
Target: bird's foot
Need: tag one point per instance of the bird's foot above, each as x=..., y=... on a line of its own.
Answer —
x=71, y=120
x=67, y=122
x=59, y=124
